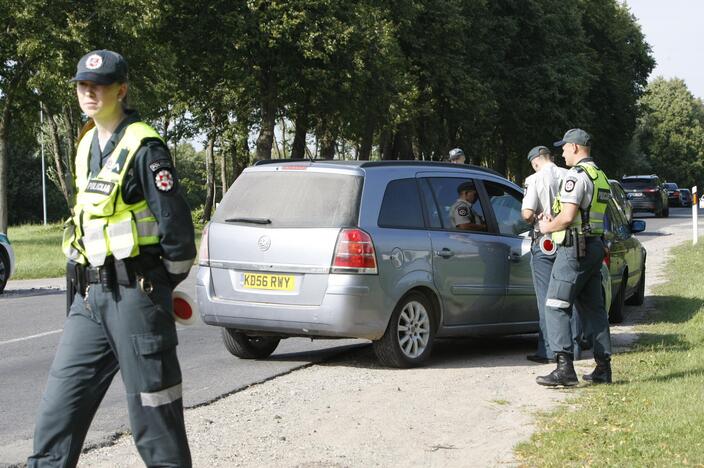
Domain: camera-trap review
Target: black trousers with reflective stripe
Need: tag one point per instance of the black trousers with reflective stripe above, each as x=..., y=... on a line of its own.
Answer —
x=124, y=330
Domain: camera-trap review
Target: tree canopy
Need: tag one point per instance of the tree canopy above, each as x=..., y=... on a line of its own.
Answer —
x=368, y=79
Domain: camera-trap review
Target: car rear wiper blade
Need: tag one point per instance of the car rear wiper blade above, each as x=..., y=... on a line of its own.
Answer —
x=249, y=220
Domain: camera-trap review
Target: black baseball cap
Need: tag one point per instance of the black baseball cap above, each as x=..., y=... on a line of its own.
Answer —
x=466, y=187
x=538, y=151
x=576, y=136
x=102, y=67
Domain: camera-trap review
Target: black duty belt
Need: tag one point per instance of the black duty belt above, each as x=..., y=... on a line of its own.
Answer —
x=121, y=272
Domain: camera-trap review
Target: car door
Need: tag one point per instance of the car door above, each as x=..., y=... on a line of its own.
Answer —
x=628, y=247
x=469, y=267
x=520, y=304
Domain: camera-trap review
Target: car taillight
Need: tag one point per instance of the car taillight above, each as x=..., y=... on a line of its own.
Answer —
x=677, y=193
x=649, y=190
x=607, y=259
x=354, y=253
x=203, y=254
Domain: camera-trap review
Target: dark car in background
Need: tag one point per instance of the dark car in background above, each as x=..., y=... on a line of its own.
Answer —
x=685, y=197
x=625, y=260
x=7, y=261
x=621, y=199
x=673, y=193
x=646, y=193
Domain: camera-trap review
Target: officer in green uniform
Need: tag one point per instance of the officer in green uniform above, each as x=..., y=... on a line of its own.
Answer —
x=130, y=241
x=576, y=279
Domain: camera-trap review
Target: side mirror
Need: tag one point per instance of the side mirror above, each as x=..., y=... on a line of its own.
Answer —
x=637, y=225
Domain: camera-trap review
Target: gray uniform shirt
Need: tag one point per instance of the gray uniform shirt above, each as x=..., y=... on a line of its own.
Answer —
x=461, y=213
x=542, y=189
x=577, y=187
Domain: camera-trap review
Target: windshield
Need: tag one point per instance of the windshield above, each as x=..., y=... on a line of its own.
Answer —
x=638, y=183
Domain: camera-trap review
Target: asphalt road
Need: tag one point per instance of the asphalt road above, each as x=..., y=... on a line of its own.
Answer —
x=31, y=329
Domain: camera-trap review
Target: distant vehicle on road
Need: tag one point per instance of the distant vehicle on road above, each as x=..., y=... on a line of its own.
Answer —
x=673, y=193
x=7, y=261
x=685, y=197
x=621, y=198
x=646, y=193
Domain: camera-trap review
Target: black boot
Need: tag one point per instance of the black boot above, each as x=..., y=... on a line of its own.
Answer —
x=602, y=371
x=563, y=375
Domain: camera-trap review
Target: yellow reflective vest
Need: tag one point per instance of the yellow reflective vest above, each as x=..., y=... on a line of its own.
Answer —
x=103, y=223
x=591, y=223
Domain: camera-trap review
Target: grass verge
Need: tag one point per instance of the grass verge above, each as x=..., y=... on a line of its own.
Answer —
x=38, y=250
x=653, y=414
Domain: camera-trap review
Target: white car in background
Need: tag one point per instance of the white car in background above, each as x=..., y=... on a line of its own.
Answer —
x=7, y=261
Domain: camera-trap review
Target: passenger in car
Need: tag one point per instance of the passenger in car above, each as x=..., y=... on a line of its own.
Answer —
x=462, y=215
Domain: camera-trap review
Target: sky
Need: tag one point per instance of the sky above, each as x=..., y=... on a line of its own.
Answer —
x=675, y=32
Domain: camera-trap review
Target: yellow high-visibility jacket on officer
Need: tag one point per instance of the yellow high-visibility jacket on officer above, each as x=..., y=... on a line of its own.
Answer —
x=103, y=223
x=597, y=206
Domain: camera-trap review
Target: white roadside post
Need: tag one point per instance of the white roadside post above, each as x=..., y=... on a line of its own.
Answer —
x=695, y=212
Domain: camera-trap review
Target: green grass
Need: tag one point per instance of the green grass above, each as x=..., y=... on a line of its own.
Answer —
x=653, y=414
x=38, y=250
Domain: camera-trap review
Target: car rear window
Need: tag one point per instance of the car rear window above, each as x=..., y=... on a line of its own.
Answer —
x=293, y=199
x=401, y=206
x=670, y=186
x=637, y=183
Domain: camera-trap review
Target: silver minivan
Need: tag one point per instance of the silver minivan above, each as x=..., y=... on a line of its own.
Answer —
x=367, y=250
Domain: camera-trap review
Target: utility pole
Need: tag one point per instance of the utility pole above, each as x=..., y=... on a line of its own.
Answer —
x=41, y=136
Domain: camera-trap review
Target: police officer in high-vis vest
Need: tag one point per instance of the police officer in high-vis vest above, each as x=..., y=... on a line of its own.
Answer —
x=577, y=227
x=130, y=241
x=541, y=190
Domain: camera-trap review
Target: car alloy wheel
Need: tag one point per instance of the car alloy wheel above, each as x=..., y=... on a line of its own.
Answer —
x=410, y=333
x=413, y=329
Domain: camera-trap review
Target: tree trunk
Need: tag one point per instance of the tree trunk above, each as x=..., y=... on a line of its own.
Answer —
x=266, y=134
x=386, y=146
x=55, y=144
x=298, y=149
x=327, y=143
x=70, y=161
x=283, y=136
x=365, y=149
x=4, y=130
x=223, y=175
x=210, y=177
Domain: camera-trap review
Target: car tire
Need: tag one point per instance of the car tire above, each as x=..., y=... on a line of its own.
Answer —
x=410, y=334
x=616, y=310
x=639, y=296
x=248, y=346
x=4, y=270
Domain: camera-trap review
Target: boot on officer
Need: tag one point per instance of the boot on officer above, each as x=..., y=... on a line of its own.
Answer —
x=577, y=228
x=129, y=242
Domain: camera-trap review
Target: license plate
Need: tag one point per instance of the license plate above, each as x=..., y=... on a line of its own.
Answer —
x=268, y=281
x=635, y=195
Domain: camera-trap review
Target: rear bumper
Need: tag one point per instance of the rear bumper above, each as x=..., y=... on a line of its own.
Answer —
x=353, y=307
x=643, y=205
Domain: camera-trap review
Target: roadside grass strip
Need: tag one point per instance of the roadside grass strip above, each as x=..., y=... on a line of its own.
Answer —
x=38, y=250
x=653, y=413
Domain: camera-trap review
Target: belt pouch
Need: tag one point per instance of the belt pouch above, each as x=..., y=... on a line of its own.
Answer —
x=124, y=273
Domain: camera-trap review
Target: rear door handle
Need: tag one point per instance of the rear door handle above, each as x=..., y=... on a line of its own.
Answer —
x=514, y=257
x=444, y=253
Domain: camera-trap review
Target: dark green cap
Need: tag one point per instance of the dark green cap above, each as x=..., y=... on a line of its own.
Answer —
x=538, y=151
x=577, y=136
x=103, y=67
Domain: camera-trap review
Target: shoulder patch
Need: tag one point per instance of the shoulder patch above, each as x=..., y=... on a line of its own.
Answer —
x=164, y=180
x=569, y=185
x=462, y=211
x=162, y=163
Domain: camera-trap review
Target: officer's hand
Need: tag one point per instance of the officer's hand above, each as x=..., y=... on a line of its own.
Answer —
x=175, y=280
x=543, y=226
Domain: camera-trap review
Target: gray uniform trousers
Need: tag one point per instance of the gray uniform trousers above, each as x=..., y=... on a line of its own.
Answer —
x=541, y=266
x=577, y=282
x=135, y=334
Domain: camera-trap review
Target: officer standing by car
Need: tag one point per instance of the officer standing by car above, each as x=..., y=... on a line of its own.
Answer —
x=462, y=213
x=456, y=156
x=577, y=228
x=130, y=241
x=540, y=193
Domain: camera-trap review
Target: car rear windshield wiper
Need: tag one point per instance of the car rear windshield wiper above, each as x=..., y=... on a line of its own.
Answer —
x=249, y=220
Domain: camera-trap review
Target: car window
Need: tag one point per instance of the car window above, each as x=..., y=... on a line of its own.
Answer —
x=453, y=212
x=638, y=183
x=506, y=204
x=401, y=206
x=615, y=221
x=293, y=199
x=431, y=207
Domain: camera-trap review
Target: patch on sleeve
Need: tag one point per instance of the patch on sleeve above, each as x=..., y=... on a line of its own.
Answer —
x=161, y=164
x=164, y=180
x=462, y=211
x=569, y=185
